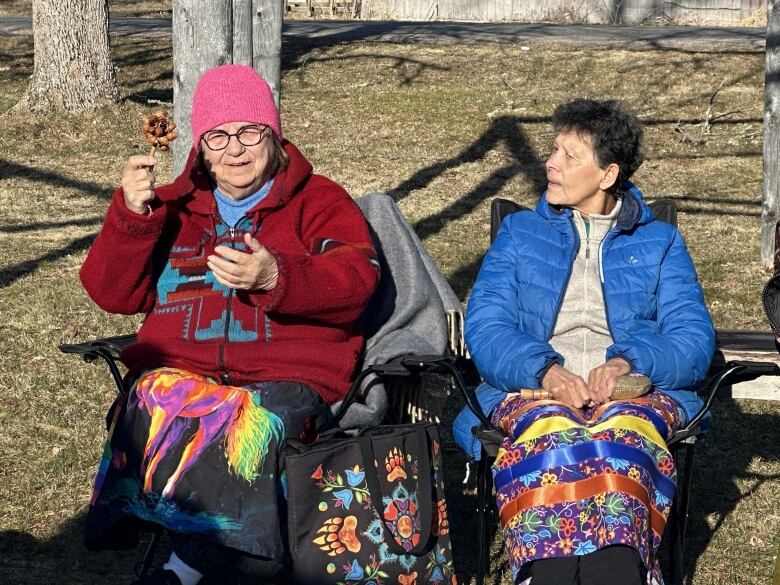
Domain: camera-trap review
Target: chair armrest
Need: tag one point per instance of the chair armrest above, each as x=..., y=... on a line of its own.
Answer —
x=90, y=349
x=408, y=365
x=731, y=372
x=490, y=439
x=108, y=349
x=745, y=340
x=395, y=367
x=470, y=396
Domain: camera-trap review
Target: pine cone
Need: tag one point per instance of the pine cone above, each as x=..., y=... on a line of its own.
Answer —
x=158, y=130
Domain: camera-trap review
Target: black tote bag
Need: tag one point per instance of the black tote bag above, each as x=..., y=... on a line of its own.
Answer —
x=370, y=509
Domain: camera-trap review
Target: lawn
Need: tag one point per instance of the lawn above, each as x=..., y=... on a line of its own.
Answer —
x=117, y=8
x=444, y=130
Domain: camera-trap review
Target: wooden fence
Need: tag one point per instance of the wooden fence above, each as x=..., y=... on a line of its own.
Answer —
x=700, y=12
x=324, y=8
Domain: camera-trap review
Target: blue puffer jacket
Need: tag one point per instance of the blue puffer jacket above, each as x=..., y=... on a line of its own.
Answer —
x=654, y=304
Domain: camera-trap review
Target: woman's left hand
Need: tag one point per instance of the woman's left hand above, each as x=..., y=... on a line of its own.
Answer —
x=601, y=380
x=242, y=270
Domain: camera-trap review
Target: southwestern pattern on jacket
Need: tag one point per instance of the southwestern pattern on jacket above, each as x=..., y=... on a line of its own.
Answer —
x=305, y=330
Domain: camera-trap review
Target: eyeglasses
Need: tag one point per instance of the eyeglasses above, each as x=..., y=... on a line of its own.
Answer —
x=246, y=135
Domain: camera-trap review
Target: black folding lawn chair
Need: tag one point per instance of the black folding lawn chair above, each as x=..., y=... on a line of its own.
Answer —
x=681, y=444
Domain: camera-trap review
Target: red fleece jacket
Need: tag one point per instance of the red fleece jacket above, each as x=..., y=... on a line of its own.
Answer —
x=306, y=329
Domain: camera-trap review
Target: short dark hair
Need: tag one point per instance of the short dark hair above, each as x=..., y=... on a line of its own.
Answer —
x=615, y=133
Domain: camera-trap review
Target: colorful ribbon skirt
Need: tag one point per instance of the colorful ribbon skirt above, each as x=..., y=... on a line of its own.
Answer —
x=571, y=481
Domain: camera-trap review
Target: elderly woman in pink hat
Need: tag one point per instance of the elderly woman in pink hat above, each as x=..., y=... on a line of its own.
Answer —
x=252, y=273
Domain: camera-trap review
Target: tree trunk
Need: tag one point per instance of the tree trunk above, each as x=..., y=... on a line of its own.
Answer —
x=72, y=64
x=267, y=42
x=770, y=212
x=208, y=34
x=202, y=39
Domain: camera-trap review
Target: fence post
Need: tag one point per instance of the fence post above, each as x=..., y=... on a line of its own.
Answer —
x=771, y=196
x=267, y=42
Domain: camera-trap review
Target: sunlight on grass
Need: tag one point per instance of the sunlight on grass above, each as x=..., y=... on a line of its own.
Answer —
x=443, y=129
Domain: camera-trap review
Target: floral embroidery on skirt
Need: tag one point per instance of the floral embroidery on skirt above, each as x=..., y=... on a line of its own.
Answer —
x=571, y=481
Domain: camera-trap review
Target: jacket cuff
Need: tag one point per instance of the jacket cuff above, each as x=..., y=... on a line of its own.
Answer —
x=622, y=352
x=624, y=358
x=130, y=223
x=270, y=299
x=558, y=359
x=276, y=294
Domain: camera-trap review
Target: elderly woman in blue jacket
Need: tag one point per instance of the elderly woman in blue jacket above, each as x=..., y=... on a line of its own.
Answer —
x=572, y=295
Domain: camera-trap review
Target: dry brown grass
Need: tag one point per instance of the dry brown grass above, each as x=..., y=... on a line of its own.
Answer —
x=444, y=129
x=413, y=109
x=123, y=8
x=16, y=8
x=757, y=18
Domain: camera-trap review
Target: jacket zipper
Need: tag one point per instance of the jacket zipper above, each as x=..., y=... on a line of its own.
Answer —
x=601, y=278
x=568, y=278
x=266, y=318
x=587, y=250
x=223, y=371
x=587, y=264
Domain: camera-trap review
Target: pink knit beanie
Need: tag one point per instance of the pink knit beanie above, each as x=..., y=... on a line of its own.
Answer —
x=232, y=93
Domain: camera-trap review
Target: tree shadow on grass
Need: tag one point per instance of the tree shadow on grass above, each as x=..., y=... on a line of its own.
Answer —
x=296, y=56
x=62, y=558
x=406, y=78
x=8, y=169
x=724, y=457
x=503, y=131
x=147, y=55
x=12, y=273
x=11, y=170
x=48, y=225
x=152, y=95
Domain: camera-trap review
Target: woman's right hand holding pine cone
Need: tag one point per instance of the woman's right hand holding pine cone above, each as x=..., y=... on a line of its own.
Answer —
x=138, y=183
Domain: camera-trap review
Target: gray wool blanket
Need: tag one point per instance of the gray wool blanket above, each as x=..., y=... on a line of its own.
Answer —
x=408, y=313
